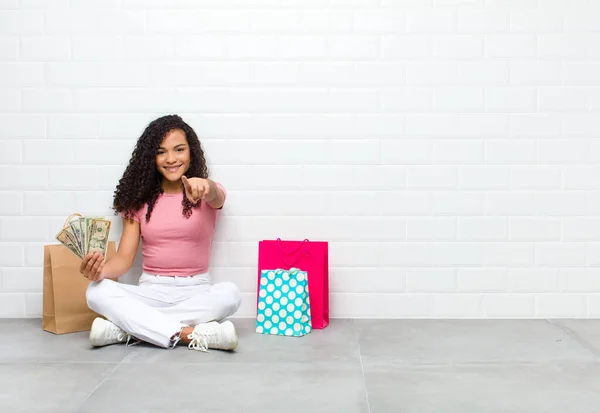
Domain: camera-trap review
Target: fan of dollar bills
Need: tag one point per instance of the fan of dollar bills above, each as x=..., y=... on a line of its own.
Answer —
x=83, y=235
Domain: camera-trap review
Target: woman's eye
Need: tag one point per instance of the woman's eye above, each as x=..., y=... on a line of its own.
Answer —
x=180, y=149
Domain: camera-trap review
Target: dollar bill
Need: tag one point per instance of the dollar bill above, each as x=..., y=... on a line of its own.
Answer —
x=87, y=224
x=77, y=234
x=66, y=239
x=99, y=232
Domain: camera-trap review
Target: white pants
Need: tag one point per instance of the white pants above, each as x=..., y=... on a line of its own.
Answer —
x=160, y=306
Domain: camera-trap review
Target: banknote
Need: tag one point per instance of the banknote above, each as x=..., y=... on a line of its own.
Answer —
x=65, y=238
x=86, y=234
x=99, y=232
x=77, y=233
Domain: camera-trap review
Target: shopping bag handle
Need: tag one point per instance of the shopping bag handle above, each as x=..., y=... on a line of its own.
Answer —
x=69, y=218
x=293, y=251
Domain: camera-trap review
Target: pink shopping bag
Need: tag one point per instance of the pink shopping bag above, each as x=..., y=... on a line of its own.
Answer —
x=309, y=256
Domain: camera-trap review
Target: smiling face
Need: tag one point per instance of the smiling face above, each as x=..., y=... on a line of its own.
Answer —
x=173, y=158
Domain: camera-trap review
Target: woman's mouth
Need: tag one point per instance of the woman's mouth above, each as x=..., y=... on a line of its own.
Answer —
x=172, y=169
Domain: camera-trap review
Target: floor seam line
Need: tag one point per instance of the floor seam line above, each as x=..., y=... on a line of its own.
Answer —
x=362, y=367
x=101, y=383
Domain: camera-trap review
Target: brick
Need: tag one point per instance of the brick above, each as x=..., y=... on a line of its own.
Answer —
x=510, y=46
x=21, y=74
x=482, y=229
x=460, y=203
x=458, y=46
x=510, y=99
x=534, y=229
x=536, y=280
x=431, y=229
x=560, y=305
x=49, y=203
x=488, y=177
x=565, y=46
x=431, y=73
x=11, y=255
x=563, y=151
x=482, y=280
x=302, y=47
x=535, y=21
x=560, y=203
x=430, y=280
x=28, y=177
x=242, y=47
x=510, y=203
x=352, y=280
x=431, y=177
x=456, y=305
x=9, y=48
x=21, y=279
x=403, y=254
x=535, y=73
x=403, y=305
x=379, y=21
x=509, y=254
x=535, y=178
x=24, y=229
x=46, y=100
x=355, y=47
x=21, y=22
x=45, y=48
x=564, y=99
x=581, y=229
x=510, y=152
x=457, y=254
x=582, y=177
x=406, y=203
x=10, y=152
x=12, y=305
x=461, y=152
x=579, y=280
x=535, y=126
x=11, y=203
x=508, y=305
x=434, y=21
x=33, y=305
x=406, y=151
x=407, y=46
x=93, y=48
x=95, y=22
x=458, y=99
x=483, y=21
x=560, y=254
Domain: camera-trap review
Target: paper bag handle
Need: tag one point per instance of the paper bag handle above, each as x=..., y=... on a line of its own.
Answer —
x=290, y=252
x=292, y=264
x=69, y=218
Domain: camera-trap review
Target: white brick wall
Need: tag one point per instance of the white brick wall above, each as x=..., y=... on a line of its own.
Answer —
x=448, y=149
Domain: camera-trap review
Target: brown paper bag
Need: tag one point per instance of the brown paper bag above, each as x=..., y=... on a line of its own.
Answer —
x=65, y=308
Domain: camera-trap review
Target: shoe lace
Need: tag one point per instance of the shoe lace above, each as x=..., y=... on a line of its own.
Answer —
x=200, y=340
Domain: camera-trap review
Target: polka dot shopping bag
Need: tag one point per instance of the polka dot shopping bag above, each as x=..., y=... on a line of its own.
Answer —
x=283, y=303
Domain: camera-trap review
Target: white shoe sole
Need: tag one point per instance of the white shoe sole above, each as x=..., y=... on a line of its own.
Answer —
x=96, y=332
x=229, y=332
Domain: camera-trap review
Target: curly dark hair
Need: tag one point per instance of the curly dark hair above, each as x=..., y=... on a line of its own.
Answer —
x=141, y=181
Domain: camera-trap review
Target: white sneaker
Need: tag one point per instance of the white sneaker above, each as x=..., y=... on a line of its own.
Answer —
x=213, y=335
x=104, y=332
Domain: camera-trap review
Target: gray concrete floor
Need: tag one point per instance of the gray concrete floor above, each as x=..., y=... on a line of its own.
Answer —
x=352, y=366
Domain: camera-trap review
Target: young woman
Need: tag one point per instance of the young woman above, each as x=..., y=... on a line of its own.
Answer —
x=165, y=199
